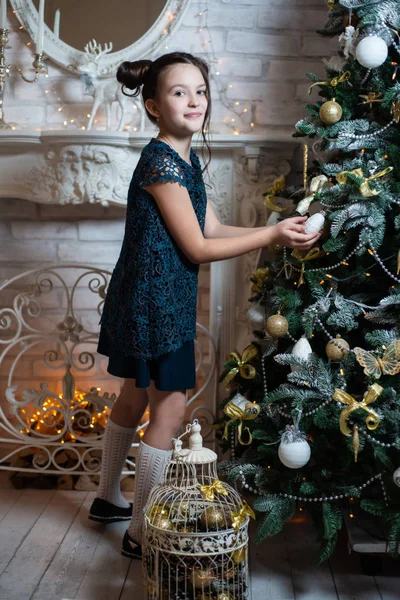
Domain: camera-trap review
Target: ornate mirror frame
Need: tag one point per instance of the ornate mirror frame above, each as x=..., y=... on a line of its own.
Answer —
x=65, y=55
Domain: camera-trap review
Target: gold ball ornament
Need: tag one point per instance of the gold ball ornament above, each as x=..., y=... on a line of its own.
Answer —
x=277, y=326
x=330, y=112
x=225, y=596
x=156, y=511
x=334, y=352
x=202, y=578
x=239, y=555
x=213, y=518
x=163, y=522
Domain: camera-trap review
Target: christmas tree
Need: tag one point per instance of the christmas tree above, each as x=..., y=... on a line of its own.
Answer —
x=314, y=400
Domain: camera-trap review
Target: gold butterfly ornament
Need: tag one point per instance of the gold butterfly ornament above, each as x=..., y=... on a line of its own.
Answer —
x=388, y=364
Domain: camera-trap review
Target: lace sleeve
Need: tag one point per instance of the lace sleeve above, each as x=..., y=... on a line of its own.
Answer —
x=161, y=167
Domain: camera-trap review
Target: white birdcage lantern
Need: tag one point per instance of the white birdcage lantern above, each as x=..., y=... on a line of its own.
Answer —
x=195, y=541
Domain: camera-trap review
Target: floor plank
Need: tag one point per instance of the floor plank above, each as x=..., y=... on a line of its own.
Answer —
x=108, y=569
x=72, y=559
x=351, y=583
x=18, y=522
x=270, y=576
x=32, y=558
x=7, y=499
x=310, y=582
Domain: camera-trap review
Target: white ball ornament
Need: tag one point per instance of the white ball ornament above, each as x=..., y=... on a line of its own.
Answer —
x=301, y=349
x=294, y=455
x=315, y=223
x=371, y=52
x=396, y=477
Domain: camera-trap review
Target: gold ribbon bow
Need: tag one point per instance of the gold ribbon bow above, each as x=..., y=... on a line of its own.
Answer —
x=277, y=185
x=216, y=487
x=238, y=414
x=331, y=4
x=372, y=420
x=239, y=518
x=246, y=371
x=333, y=82
x=259, y=277
x=371, y=97
x=365, y=190
x=312, y=254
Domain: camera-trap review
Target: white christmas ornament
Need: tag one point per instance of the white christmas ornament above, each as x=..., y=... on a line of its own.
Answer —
x=274, y=218
x=371, y=51
x=315, y=223
x=302, y=349
x=294, y=451
x=256, y=313
x=346, y=41
x=396, y=477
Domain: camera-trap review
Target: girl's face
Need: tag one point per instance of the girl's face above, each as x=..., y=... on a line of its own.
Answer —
x=182, y=101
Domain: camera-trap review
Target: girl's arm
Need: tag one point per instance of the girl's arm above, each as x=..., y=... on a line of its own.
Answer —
x=177, y=211
x=215, y=229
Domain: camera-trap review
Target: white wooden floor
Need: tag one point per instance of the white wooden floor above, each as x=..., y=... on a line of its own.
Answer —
x=50, y=551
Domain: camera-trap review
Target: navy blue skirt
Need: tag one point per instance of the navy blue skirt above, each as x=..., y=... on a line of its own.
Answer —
x=170, y=372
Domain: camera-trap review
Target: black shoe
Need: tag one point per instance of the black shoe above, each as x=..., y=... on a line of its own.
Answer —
x=130, y=547
x=105, y=512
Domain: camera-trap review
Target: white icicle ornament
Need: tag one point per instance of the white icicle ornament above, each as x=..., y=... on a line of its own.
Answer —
x=301, y=349
x=396, y=477
x=294, y=451
x=315, y=223
x=371, y=51
x=256, y=313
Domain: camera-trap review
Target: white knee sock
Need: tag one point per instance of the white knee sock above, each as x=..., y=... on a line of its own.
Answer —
x=117, y=441
x=149, y=470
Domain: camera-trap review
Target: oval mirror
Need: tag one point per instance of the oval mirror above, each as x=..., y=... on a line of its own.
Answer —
x=71, y=24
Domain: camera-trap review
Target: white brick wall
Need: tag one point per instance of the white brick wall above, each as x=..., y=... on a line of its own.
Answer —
x=257, y=44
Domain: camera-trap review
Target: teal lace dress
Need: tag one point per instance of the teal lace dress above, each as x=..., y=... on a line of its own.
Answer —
x=148, y=323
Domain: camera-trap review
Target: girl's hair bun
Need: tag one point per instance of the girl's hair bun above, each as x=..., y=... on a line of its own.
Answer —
x=133, y=74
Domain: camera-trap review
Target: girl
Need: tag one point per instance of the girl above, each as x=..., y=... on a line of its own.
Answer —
x=148, y=324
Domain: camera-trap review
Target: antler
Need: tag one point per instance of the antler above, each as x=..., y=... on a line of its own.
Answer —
x=94, y=51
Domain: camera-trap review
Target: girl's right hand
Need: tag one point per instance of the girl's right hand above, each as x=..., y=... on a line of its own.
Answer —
x=290, y=233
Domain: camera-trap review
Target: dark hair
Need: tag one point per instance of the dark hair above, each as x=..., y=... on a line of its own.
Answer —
x=144, y=76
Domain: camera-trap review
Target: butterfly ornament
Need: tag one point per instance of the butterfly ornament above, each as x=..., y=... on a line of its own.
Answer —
x=374, y=366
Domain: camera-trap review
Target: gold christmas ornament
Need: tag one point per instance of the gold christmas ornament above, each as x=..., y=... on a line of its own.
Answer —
x=213, y=518
x=277, y=326
x=356, y=442
x=156, y=511
x=162, y=522
x=225, y=596
x=372, y=420
x=239, y=555
x=203, y=578
x=395, y=110
x=333, y=351
x=330, y=112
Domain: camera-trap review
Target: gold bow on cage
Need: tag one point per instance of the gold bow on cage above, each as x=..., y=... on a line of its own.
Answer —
x=209, y=491
x=239, y=518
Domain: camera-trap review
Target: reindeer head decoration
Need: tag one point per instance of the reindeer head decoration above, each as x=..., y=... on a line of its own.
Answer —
x=90, y=67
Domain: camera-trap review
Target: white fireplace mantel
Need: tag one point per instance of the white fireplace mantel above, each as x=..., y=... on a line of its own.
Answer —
x=74, y=167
